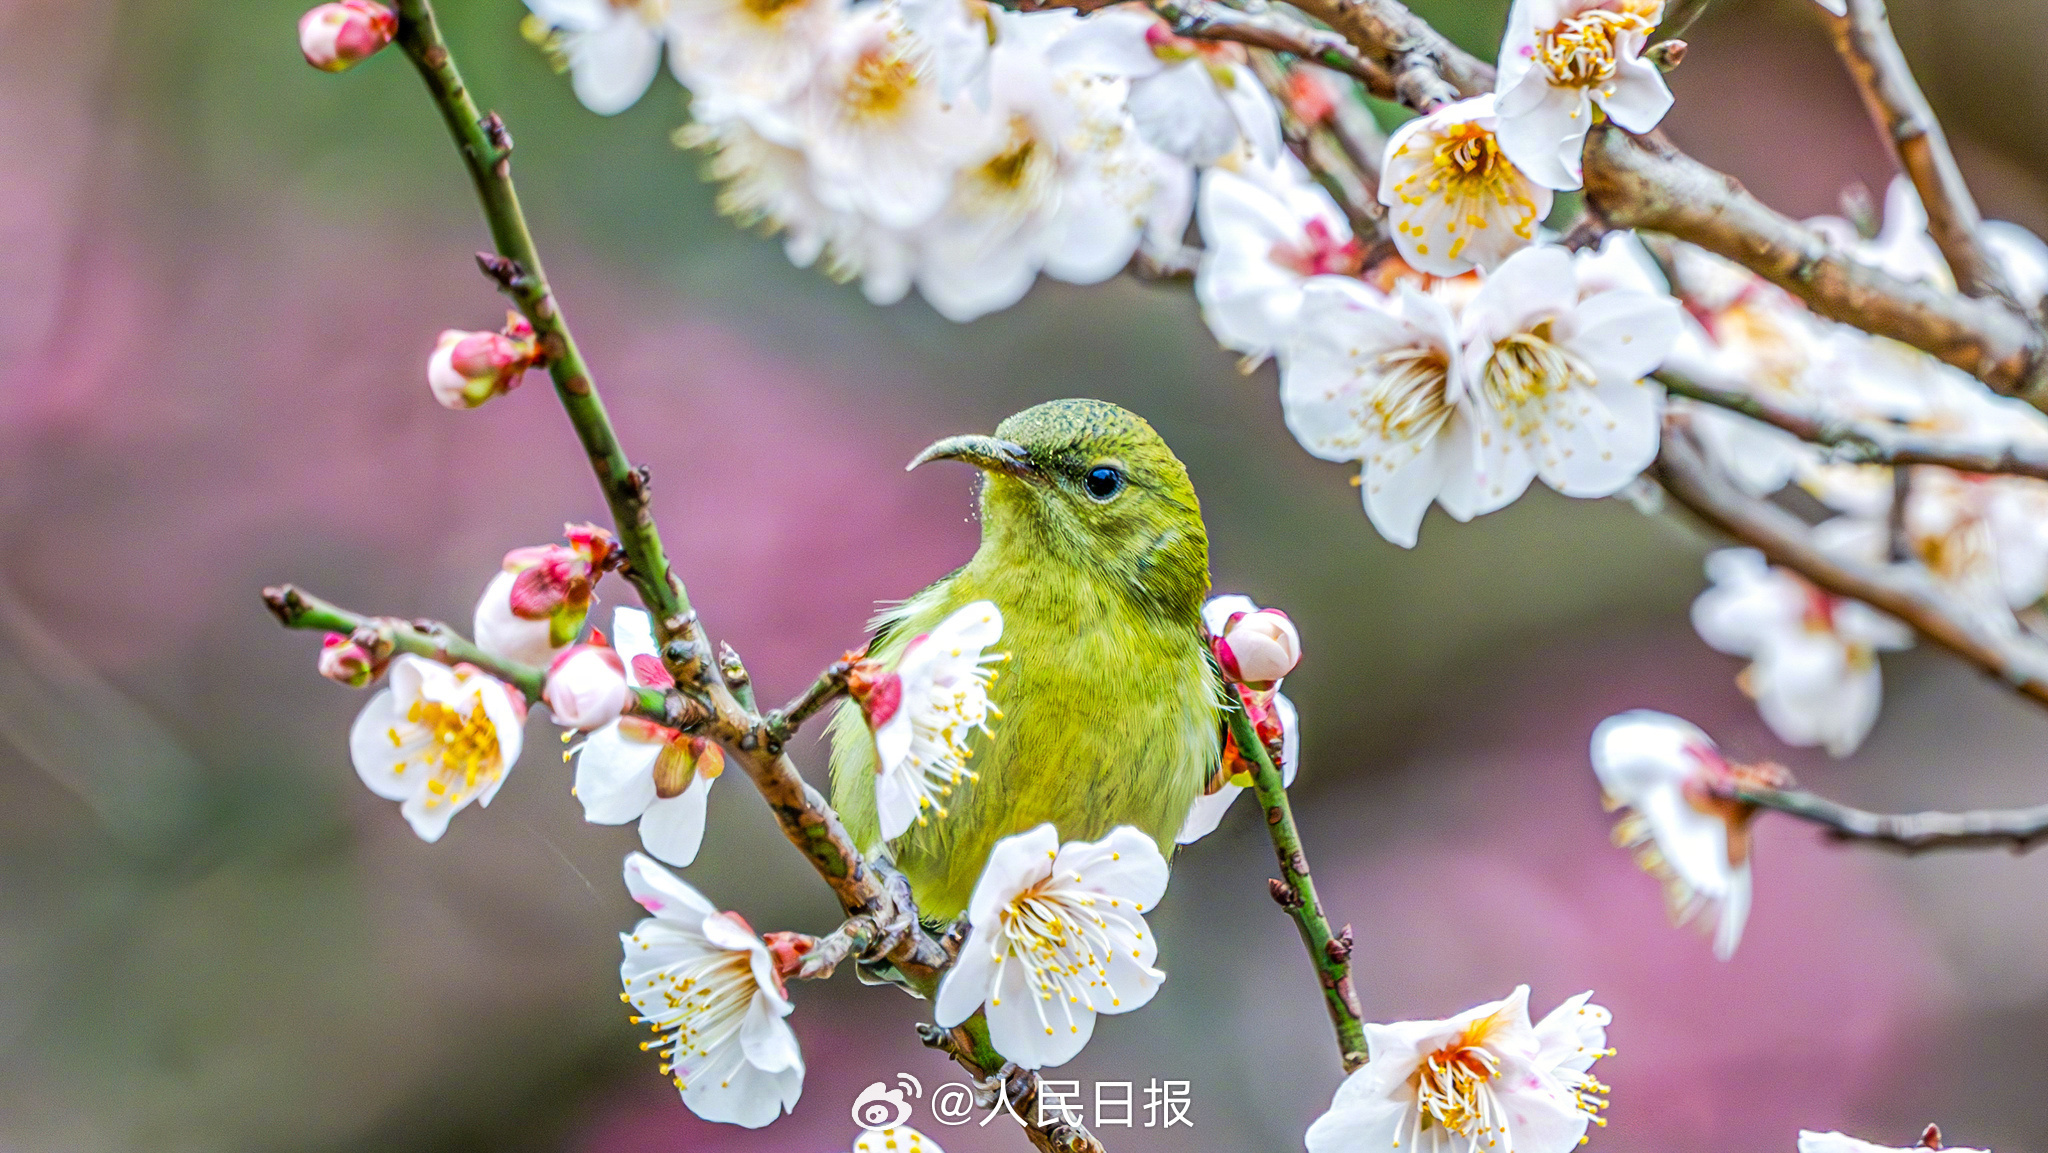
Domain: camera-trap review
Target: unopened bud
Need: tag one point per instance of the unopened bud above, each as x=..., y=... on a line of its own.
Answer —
x=469, y=368
x=337, y=37
x=684, y=759
x=1256, y=649
x=586, y=687
x=346, y=662
x=1666, y=55
x=788, y=951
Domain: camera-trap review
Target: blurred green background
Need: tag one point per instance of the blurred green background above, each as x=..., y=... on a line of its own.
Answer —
x=223, y=273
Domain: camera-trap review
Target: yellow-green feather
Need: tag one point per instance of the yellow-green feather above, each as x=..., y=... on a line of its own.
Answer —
x=1109, y=701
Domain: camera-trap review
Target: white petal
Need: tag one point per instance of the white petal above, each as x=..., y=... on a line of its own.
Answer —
x=372, y=749
x=1638, y=97
x=1734, y=913
x=1258, y=120
x=1018, y=1032
x=1366, y=1126
x=1545, y=133
x=1206, y=813
x=1180, y=112
x=1131, y=978
x=1625, y=335
x=1016, y=863
x=966, y=984
x=1573, y=1035
x=1107, y=43
x=766, y=1038
x=612, y=65
x=663, y=893
x=735, y=1092
x=632, y=636
x=672, y=828
x=615, y=776
x=1126, y=864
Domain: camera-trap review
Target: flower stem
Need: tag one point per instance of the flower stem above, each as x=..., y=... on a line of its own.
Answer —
x=486, y=149
x=1296, y=891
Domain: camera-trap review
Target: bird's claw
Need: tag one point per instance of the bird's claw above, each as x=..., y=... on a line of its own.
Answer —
x=1008, y=1085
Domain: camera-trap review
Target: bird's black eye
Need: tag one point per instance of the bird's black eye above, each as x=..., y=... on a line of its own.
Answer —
x=1104, y=483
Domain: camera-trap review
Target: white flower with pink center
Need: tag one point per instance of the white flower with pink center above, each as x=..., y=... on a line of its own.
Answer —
x=1265, y=234
x=923, y=711
x=1192, y=99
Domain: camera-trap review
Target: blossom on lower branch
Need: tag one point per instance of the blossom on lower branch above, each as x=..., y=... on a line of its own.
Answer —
x=437, y=738
x=1665, y=770
x=635, y=770
x=703, y=981
x=1485, y=1079
x=1058, y=935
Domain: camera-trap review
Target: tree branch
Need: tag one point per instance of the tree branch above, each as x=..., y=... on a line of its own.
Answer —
x=1900, y=111
x=1421, y=68
x=1909, y=833
x=1296, y=892
x=1643, y=182
x=1273, y=31
x=806, y=820
x=1862, y=444
x=829, y=687
x=1905, y=591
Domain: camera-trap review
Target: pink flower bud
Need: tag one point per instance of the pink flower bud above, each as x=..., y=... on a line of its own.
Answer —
x=586, y=687
x=344, y=661
x=1257, y=649
x=337, y=37
x=469, y=368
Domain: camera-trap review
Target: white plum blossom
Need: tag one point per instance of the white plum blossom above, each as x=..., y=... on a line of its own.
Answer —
x=1269, y=708
x=1264, y=234
x=924, y=711
x=1832, y=1142
x=436, y=738
x=612, y=47
x=1560, y=59
x=1454, y=198
x=1484, y=1079
x=880, y=141
x=1658, y=767
x=705, y=984
x=1057, y=936
x=1384, y=385
x=1558, y=379
x=635, y=770
x=746, y=52
x=1815, y=676
x=1191, y=99
x=961, y=33
x=1058, y=183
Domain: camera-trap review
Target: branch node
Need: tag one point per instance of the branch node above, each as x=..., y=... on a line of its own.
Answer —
x=1285, y=894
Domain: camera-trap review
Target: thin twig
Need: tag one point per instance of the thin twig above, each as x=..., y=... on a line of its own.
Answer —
x=1900, y=110
x=1852, y=443
x=2016, y=829
x=781, y=724
x=1329, y=950
x=295, y=608
x=1321, y=154
x=1422, y=69
x=1905, y=591
x=1273, y=31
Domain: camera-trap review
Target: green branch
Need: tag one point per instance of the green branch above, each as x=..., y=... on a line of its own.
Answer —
x=295, y=608
x=486, y=149
x=1296, y=892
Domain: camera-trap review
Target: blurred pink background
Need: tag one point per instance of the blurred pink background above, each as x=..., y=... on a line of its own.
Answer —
x=223, y=273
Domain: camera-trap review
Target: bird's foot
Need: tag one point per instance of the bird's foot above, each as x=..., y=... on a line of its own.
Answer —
x=1008, y=1086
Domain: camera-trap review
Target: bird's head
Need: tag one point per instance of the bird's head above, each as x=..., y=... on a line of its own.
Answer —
x=1092, y=485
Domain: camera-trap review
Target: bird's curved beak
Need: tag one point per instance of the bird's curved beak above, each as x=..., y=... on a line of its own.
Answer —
x=983, y=452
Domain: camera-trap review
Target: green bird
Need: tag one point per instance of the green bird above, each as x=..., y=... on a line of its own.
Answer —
x=1093, y=548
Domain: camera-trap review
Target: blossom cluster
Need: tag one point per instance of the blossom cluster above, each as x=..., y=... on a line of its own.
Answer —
x=1982, y=540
